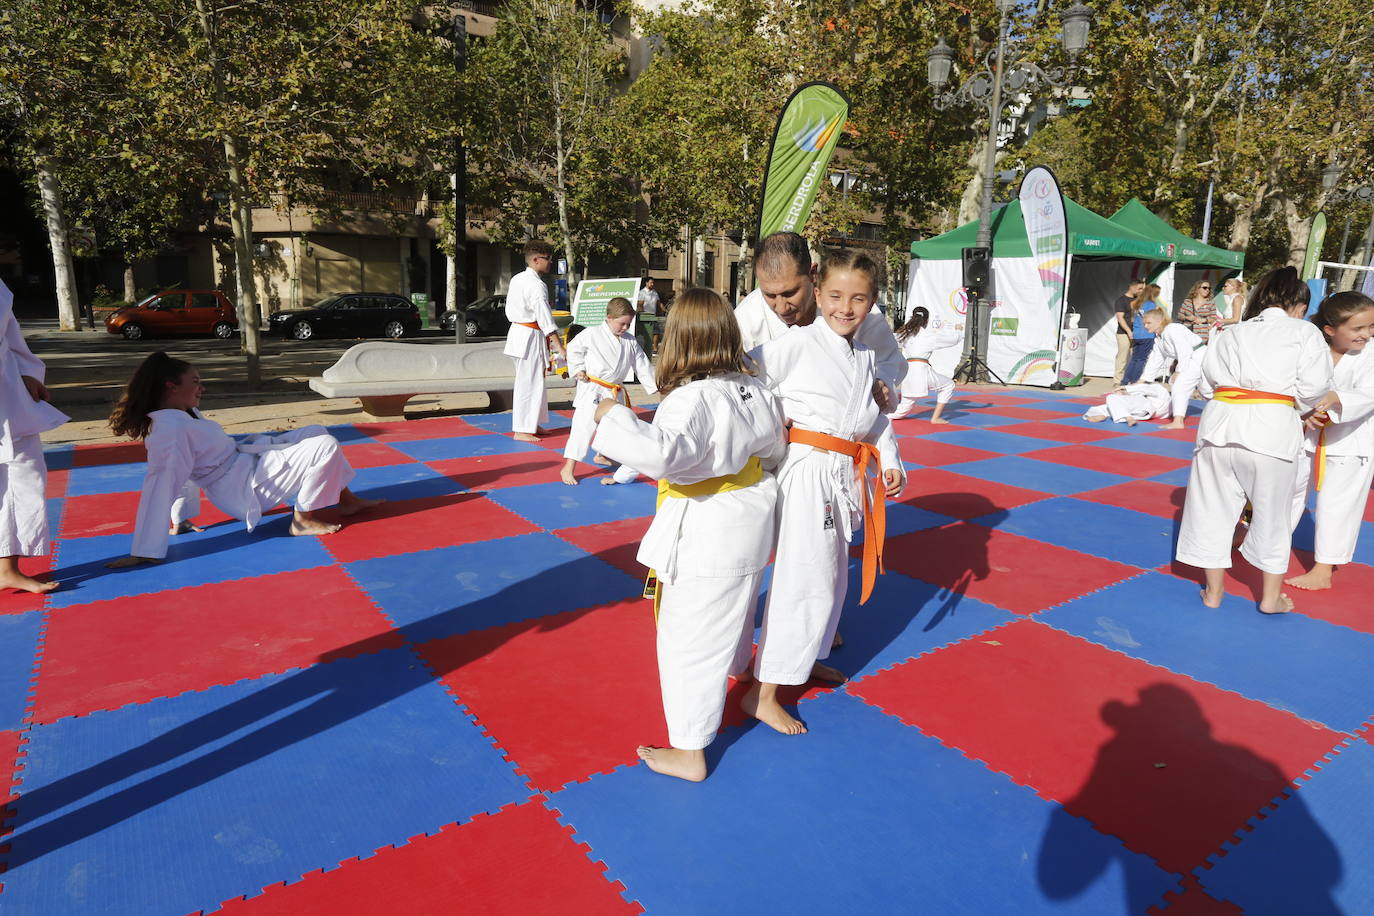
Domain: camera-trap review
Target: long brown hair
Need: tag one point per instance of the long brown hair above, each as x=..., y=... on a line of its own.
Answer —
x=1280, y=288
x=701, y=339
x=920, y=317
x=143, y=394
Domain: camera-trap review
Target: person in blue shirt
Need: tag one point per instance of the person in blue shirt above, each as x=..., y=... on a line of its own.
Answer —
x=1142, y=341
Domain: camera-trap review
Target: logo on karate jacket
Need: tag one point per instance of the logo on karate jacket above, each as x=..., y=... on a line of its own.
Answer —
x=744, y=393
x=829, y=519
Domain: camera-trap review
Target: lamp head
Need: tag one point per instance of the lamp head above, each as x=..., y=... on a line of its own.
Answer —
x=1077, y=20
x=1331, y=175
x=939, y=63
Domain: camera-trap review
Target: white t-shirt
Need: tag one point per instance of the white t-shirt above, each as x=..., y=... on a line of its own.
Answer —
x=648, y=298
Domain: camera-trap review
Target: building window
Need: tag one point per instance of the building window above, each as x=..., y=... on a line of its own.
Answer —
x=708, y=270
x=658, y=258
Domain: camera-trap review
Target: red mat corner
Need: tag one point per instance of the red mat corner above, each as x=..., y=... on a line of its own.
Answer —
x=13, y=601
x=1108, y=460
x=409, y=525
x=1162, y=500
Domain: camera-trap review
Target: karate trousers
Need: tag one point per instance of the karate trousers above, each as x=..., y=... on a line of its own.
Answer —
x=580, y=440
x=810, y=575
x=1340, y=504
x=23, y=513
x=705, y=635
x=1221, y=480
x=529, y=398
x=1185, y=383
x=911, y=394
x=308, y=471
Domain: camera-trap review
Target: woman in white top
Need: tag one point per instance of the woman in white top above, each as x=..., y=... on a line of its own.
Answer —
x=1260, y=374
x=1340, y=438
x=244, y=479
x=1174, y=344
x=918, y=342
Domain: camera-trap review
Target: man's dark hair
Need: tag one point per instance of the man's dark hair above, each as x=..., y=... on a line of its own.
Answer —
x=538, y=246
x=782, y=253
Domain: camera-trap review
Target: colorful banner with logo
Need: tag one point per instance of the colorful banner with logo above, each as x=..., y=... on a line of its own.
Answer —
x=1314, y=246
x=803, y=142
x=589, y=306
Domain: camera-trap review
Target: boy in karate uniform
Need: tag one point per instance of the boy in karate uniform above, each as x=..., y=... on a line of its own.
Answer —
x=532, y=329
x=1132, y=403
x=24, y=414
x=601, y=358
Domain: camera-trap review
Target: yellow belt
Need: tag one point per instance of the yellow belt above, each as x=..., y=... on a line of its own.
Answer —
x=745, y=477
x=1228, y=395
x=1321, y=453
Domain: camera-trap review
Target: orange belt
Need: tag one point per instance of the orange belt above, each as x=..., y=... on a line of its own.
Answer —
x=917, y=359
x=617, y=391
x=875, y=508
x=1228, y=395
x=532, y=325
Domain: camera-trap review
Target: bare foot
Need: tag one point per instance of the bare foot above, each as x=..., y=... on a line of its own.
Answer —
x=184, y=527
x=609, y=481
x=837, y=642
x=672, y=761
x=1095, y=418
x=1318, y=577
x=302, y=526
x=524, y=437
x=1283, y=606
x=602, y=460
x=352, y=505
x=1130, y=421
x=769, y=712
x=822, y=672
x=1212, y=601
x=939, y=422
x=1177, y=424
x=566, y=475
x=25, y=583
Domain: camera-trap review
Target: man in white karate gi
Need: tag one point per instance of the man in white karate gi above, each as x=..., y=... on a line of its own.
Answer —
x=532, y=331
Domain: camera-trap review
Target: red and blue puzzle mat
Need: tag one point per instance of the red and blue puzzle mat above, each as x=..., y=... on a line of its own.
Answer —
x=436, y=710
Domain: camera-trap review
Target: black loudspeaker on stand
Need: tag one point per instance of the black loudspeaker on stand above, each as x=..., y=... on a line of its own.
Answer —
x=977, y=275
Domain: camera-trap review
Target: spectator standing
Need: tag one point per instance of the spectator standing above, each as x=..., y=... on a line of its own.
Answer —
x=1231, y=300
x=1122, y=317
x=647, y=300
x=1198, y=313
x=1142, y=341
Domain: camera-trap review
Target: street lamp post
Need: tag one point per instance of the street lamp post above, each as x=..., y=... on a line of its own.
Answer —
x=1331, y=177
x=985, y=87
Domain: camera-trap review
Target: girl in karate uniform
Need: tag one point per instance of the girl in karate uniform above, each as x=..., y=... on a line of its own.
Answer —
x=713, y=443
x=24, y=414
x=1130, y=404
x=601, y=358
x=1260, y=373
x=1174, y=344
x=918, y=342
x=825, y=381
x=1340, y=438
x=187, y=452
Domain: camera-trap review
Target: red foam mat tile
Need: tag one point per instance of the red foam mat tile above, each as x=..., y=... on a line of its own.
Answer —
x=1026, y=413
x=1109, y=461
x=1061, y=432
x=920, y=425
x=87, y=456
x=615, y=542
x=114, y=513
x=9, y=757
x=111, y=653
x=518, y=861
x=990, y=395
x=958, y=496
x=1346, y=603
x=409, y=525
x=412, y=430
x=1161, y=500
x=1171, y=766
x=934, y=454
x=1012, y=572
x=373, y=455
x=491, y=472
x=13, y=601
x=57, y=484
x=1369, y=510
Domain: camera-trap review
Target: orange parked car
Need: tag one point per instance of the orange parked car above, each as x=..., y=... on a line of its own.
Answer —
x=180, y=311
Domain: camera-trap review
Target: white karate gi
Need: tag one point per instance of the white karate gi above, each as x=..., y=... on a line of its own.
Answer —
x=825, y=386
x=921, y=377
x=1250, y=451
x=243, y=479
x=527, y=300
x=1349, y=462
x=758, y=324
x=1177, y=344
x=609, y=357
x=23, y=472
x=1141, y=401
x=709, y=551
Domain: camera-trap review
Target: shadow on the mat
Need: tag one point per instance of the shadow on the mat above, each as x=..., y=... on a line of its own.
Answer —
x=1165, y=787
x=475, y=480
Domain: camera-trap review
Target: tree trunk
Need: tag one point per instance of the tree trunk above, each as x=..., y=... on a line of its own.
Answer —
x=1298, y=231
x=68, y=307
x=1247, y=208
x=971, y=201
x=130, y=288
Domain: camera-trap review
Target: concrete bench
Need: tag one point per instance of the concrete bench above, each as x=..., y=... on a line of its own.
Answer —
x=385, y=375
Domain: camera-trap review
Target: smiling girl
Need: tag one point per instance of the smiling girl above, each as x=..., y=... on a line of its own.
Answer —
x=1340, y=438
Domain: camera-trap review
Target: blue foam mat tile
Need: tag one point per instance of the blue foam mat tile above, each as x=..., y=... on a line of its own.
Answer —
x=398, y=482
x=1110, y=532
x=1314, y=853
x=59, y=457
x=870, y=816
x=462, y=447
x=105, y=478
x=348, y=434
x=1150, y=445
x=500, y=422
x=554, y=505
x=1034, y=474
x=437, y=593
x=178, y=804
x=1139, y=429
x=979, y=418
x=1174, y=478
x=989, y=440
x=1311, y=668
x=20, y=635
x=220, y=553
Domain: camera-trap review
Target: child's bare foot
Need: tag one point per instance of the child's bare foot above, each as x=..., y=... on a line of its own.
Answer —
x=350, y=504
x=566, y=475
x=1282, y=606
x=16, y=579
x=602, y=460
x=672, y=761
x=939, y=422
x=768, y=711
x=1095, y=418
x=524, y=437
x=1318, y=577
x=1130, y=421
x=301, y=525
x=823, y=672
x=1211, y=600
x=609, y=481
x=1177, y=424
x=184, y=527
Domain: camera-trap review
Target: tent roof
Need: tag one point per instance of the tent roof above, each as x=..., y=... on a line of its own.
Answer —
x=1089, y=234
x=1137, y=217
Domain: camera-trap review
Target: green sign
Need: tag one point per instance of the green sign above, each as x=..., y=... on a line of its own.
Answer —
x=421, y=301
x=589, y=306
x=1005, y=327
x=805, y=138
x=1314, y=246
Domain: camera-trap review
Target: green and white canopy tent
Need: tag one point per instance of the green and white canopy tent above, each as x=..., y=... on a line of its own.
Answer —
x=1194, y=261
x=1103, y=257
